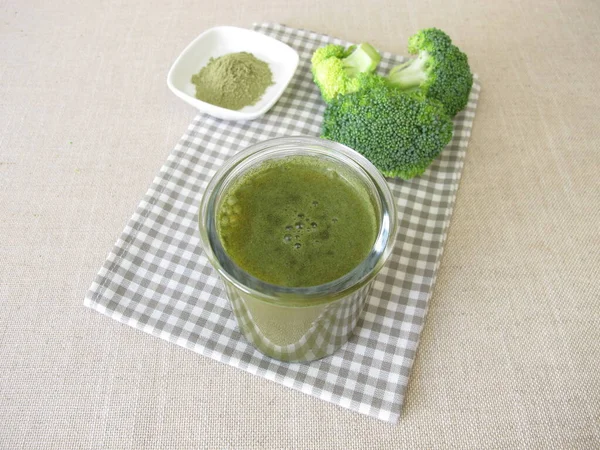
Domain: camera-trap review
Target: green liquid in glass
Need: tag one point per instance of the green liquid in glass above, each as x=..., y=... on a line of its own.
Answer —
x=297, y=221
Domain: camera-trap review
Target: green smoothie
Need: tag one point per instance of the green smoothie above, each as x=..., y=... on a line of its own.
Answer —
x=297, y=221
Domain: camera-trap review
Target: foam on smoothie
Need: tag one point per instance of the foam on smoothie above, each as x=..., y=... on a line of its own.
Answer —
x=297, y=221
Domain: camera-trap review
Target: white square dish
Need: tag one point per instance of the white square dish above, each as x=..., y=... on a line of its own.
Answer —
x=219, y=41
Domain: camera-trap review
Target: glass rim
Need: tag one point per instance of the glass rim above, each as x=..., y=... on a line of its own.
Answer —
x=309, y=295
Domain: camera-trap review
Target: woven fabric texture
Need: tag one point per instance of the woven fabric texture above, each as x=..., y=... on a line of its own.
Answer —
x=158, y=280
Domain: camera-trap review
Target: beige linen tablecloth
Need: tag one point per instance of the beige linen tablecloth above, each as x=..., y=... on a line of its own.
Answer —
x=510, y=352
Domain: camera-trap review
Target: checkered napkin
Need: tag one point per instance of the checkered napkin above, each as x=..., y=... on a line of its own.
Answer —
x=158, y=280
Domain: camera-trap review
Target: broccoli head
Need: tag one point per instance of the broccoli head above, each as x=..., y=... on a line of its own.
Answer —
x=335, y=69
x=440, y=70
x=401, y=133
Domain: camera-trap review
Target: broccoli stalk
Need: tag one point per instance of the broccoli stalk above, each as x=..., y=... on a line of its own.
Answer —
x=362, y=58
x=409, y=75
x=336, y=70
x=440, y=70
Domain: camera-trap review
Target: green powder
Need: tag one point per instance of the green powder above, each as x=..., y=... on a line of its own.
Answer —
x=233, y=81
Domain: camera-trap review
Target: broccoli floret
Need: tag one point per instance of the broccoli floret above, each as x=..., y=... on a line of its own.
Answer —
x=335, y=69
x=400, y=133
x=440, y=70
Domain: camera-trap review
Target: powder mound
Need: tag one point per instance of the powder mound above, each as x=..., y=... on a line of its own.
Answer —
x=233, y=81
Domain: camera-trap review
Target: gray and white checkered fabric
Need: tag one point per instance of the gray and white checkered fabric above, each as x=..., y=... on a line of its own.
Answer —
x=158, y=280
